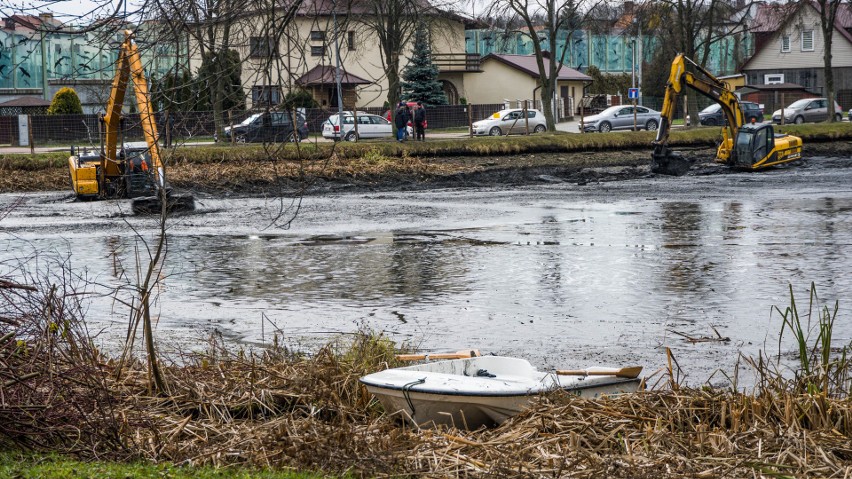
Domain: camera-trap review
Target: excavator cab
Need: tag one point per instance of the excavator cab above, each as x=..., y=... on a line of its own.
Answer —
x=758, y=146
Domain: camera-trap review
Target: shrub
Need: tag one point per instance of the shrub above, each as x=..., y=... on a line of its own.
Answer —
x=65, y=102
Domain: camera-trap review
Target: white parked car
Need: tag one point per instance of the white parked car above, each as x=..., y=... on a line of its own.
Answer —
x=621, y=118
x=369, y=126
x=510, y=121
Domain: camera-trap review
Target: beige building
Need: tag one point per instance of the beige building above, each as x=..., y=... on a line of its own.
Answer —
x=276, y=60
x=515, y=78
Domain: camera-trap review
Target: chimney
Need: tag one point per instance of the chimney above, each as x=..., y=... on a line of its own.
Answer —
x=628, y=7
x=45, y=16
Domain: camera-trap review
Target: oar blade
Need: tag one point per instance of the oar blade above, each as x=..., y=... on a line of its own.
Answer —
x=629, y=372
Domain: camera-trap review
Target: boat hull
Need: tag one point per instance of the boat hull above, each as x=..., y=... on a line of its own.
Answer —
x=456, y=393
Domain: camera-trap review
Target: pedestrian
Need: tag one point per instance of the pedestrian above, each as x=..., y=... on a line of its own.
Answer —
x=401, y=121
x=420, y=122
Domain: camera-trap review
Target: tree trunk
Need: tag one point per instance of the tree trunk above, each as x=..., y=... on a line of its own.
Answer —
x=547, y=103
x=827, y=70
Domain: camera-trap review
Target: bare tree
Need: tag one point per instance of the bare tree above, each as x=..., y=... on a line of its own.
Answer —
x=692, y=27
x=827, y=17
x=549, y=17
x=393, y=23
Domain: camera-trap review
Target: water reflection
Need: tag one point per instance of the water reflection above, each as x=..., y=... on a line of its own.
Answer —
x=560, y=282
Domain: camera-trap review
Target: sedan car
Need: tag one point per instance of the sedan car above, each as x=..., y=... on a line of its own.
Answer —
x=369, y=126
x=713, y=115
x=505, y=122
x=621, y=118
x=269, y=126
x=807, y=109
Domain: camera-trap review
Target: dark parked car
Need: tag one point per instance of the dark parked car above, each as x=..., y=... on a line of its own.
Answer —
x=272, y=126
x=713, y=116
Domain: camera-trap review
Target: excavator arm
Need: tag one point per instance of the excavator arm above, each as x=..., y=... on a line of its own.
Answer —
x=668, y=162
x=129, y=68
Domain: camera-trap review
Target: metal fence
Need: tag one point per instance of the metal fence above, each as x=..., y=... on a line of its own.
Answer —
x=188, y=126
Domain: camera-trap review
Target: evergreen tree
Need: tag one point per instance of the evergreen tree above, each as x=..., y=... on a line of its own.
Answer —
x=234, y=97
x=65, y=102
x=420, y=76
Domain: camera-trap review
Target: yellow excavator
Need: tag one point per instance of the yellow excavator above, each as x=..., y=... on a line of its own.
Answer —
x=134, y=171
x=750, y=147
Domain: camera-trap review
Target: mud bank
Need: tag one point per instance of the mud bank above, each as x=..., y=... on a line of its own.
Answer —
x=381, y=173
x=587, y=168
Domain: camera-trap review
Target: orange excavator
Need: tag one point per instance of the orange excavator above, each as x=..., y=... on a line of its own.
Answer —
x=134, y=171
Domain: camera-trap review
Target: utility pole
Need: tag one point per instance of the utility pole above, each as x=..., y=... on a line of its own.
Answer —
x=337, y=79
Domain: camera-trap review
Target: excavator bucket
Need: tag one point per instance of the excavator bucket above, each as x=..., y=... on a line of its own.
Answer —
x=667, y=162
x=151, y=205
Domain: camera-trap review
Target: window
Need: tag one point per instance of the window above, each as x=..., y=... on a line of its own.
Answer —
x=350, y=39
x=808, y=41
x=261, y=47
x=642, y=110
x=773, y=79
x=318, y=50
x=317, y=36
x=265, y=95
x=785, y=43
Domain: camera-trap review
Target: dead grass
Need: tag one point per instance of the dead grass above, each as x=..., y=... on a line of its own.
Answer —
x=282, y=409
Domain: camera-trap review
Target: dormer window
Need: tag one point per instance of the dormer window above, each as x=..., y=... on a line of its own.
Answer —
x=785, y=43
x=808, y=41
x=9, y=24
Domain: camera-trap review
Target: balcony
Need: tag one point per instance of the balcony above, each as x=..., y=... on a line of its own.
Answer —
x=457, y=62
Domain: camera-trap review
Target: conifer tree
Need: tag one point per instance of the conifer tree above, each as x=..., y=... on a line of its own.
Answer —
x=65, y=102
x=420, y=76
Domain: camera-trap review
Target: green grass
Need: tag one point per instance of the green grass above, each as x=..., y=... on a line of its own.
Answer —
x=32, y=466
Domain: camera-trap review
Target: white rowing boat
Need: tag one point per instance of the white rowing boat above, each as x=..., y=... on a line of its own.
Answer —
x=484, y=391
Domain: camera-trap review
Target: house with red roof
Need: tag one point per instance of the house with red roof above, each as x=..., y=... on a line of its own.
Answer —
x=789, y=48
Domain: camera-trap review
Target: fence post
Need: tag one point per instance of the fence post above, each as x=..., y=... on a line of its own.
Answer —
x=231, y=123
x=782, y=108
x=582, y=115
x=526, y=118
x=30, y=133
x=354, y=120
x=470, y=120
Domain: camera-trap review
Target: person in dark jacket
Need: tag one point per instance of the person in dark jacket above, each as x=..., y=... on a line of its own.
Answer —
x=420, y=122
x=401, y=121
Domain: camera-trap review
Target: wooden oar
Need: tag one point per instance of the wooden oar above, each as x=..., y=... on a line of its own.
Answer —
x=467, y=353
x=628, y=372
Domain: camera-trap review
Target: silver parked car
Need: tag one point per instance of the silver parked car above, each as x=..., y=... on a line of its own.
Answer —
x=510, y=121
x=807, y=109
x=621, y=118
x=369, y=126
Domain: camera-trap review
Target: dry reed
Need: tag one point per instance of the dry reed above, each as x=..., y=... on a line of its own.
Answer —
x=281, y=409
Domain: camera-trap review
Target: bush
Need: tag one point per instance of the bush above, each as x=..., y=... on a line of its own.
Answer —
x=65, y=102
x=299, y=99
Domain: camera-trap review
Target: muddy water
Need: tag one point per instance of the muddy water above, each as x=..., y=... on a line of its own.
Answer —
x=561, y=274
